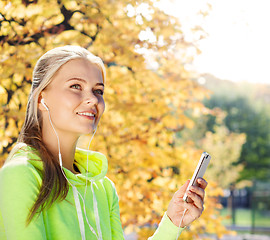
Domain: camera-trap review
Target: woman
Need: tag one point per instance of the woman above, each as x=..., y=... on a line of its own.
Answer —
x=52, y=190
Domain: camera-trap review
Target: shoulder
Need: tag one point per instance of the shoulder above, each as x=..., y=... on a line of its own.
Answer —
x=109, y=187
x=22, y=164
x=111, y=193
x=108, y=183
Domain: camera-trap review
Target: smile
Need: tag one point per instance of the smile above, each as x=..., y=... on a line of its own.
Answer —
x=86, y=114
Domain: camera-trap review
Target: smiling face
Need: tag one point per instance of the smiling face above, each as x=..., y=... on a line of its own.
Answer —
x=75, y=97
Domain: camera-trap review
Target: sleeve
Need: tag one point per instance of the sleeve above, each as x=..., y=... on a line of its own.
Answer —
x=166, y=230
x=116, y=225
x=19, y=188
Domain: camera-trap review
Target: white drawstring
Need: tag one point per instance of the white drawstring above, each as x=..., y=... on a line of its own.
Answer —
x=76, y=195
x=79, y=211
x=96, y=211
x=99, y=236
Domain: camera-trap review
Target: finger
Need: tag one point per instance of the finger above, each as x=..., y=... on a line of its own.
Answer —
x=180, y=193
x=199, y=191
x=193, y=210
x=185, y=185
x=202, y=183
x=197, y=200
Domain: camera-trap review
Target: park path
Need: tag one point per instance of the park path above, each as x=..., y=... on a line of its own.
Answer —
x=133, y=236
x=246, y=237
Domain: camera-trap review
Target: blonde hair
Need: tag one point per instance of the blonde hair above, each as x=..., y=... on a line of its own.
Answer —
x=54, y=184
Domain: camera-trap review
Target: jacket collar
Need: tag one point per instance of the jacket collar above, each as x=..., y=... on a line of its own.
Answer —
x=92, y=165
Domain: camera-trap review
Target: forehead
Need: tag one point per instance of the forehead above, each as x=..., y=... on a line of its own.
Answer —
x=79, y=68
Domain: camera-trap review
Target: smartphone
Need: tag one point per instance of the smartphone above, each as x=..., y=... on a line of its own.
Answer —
x=198, y=173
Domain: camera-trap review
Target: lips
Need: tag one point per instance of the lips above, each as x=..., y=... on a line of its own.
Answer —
x=87, y=114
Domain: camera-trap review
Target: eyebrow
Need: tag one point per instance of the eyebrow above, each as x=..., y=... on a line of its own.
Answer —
x=82, y=80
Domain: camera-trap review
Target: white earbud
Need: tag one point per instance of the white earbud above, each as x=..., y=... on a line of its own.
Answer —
x=44, y=105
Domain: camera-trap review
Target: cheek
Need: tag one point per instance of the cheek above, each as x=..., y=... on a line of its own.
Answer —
x=71, y=100
x=66, y=104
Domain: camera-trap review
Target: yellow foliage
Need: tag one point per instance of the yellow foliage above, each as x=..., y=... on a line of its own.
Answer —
x=145, y=107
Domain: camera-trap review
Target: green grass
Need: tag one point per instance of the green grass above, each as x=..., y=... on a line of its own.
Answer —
x=243, y=217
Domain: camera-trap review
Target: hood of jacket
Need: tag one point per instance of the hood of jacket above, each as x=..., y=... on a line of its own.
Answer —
x=92, y=165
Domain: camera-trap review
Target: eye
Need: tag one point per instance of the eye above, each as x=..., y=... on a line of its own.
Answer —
x=99, y=91
x=76, y=86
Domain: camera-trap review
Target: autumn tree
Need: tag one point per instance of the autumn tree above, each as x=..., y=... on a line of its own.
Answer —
x=225, y=147
x=148, y=92
x=248, y=114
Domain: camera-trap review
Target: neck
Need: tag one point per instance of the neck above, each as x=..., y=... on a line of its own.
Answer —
x=67, y=142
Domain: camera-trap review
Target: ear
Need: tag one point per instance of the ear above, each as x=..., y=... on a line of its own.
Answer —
x=40, y=105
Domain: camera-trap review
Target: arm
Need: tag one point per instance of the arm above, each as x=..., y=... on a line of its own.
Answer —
x=166, y=230
x=19, y=188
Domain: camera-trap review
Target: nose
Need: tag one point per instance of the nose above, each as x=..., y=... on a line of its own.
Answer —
x=91, y=99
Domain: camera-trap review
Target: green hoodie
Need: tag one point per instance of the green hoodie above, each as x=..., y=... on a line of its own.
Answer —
x=71, y=219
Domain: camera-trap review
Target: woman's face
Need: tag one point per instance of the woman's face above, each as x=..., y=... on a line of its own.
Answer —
x=75, y=97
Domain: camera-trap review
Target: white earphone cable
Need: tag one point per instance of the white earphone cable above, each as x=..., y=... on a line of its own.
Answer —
x=88, y=148
x=58, y=142
x=181, y=221
x=76, y=193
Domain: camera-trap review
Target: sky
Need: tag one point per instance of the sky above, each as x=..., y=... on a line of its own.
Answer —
x=237, y=46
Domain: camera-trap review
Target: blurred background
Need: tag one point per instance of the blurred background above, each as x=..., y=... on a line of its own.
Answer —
x=183, y=77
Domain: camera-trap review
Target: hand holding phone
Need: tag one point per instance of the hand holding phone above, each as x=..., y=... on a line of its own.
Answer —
x=198, y=173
